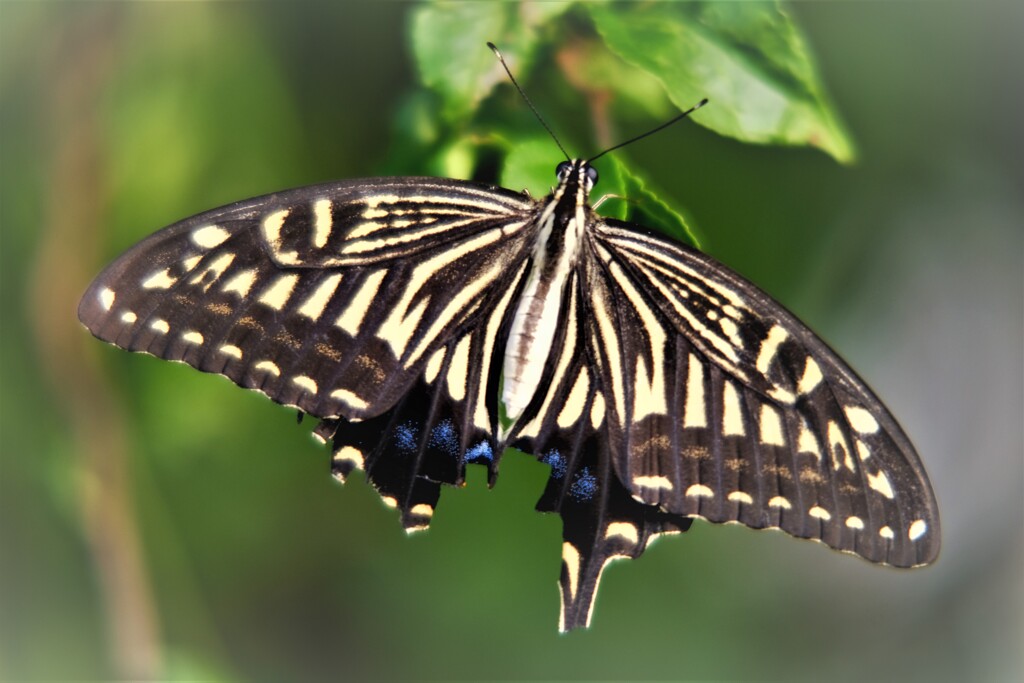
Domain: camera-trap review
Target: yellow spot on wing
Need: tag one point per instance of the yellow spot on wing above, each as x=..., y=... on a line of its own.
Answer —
x=307, y=383
x=268, y=366
x=576, y=401
x=317, y=301
x=373, y=201
x=350, y=454
x=365, y=228
x=623, y=530
x=107, y=297
x=880, y=482
x=741, y=497
x=349, y=398
x=855, y=522
x=861, y=420
x=597, y=410
x=399, y=328
x=648, y=394
x=807, y=442
x=731, y=330
x=272, y=228
x=322, y=221
x=161, y=280
x=277, y=295
x=422, y=509
x=160, y=326
x=837, y=444
x=209, y=236
x=917, y=529
x=458, y=369
x=217, y=268
x=352, y=317
x=779, y=502
x=694, y=413
x=653, y=482
x=782, y=395
x=732, y=416
x=820, y=513
x=699, y=491
x=571, y=559
x=231, y=350
x=434, y=365
x=863, y=452
x=610, y=339
x=811, y=378
x=771, y=426
x=769, y=347
x=241, y=283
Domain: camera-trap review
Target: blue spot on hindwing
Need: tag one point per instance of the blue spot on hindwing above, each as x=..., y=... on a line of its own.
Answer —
x=405, y=437
x=556, y=460
x=480, y=452
x=584, y=486
x=445, y=437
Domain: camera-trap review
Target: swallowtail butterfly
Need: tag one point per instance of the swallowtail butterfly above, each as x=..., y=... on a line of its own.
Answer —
x=406, y=313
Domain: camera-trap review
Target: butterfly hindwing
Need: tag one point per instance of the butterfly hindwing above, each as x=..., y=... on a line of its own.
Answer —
x=748, y=416
x=565, y=427
x=447, y=419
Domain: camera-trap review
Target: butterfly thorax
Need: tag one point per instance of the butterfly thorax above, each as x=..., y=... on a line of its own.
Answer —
x=559, y=228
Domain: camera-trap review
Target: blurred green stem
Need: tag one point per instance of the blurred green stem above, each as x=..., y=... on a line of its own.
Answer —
x=83, y=61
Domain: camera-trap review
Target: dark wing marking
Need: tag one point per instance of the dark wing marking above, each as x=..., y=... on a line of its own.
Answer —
x=722, y=405
x=565, y=427
x=330, y=298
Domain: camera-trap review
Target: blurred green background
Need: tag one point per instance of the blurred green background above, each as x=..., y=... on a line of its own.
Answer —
x=159, y=523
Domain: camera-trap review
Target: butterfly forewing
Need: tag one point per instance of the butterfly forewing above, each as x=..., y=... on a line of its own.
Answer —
x=750, y=417
x=329, y=298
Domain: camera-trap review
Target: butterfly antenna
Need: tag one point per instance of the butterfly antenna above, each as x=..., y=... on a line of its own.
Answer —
x=652, y=131
x=521, y=92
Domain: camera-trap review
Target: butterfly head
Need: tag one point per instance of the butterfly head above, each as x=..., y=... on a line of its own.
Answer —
x=578, y=174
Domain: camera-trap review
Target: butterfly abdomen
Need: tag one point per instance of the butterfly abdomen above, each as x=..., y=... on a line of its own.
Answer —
x=539, y=310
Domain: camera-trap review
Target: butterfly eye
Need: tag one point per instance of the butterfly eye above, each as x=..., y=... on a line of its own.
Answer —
x=562, y=170
x=592, y=175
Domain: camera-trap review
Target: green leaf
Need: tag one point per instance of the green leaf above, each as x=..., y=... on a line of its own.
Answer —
x=456, y=160
x=530, y=165
x=449, y=42
x=630, y=198
x=748, y=58
x=588, y=65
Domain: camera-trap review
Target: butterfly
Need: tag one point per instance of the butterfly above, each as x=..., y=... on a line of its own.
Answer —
x=431, y=323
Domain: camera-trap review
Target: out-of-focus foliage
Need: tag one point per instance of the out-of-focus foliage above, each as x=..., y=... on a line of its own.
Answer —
x=447, y=38
x=156, y=522
x=749, y=58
